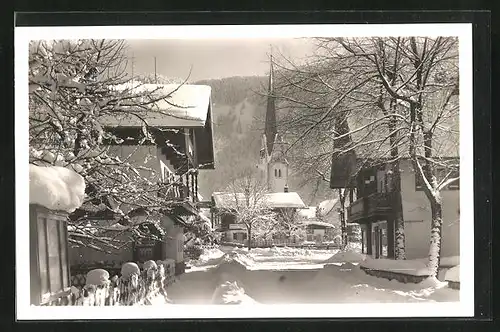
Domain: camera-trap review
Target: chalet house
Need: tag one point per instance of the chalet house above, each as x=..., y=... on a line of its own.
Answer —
x=373, y=211
x=183, y=144
x=226, y=222
x=317, y=229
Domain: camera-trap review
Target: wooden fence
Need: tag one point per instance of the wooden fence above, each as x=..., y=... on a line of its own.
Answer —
x=138, y=288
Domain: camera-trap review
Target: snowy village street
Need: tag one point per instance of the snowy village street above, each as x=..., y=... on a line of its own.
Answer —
x=305, y=171
x=291, y=276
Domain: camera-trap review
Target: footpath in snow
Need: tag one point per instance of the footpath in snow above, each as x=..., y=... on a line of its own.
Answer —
x=289, y=275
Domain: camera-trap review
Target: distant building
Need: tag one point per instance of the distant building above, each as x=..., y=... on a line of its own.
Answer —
x=225, y=221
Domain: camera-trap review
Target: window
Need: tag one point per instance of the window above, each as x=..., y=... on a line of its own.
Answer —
x=275, y=172
x=279, y=173
x=244, y=236
x=235, y=236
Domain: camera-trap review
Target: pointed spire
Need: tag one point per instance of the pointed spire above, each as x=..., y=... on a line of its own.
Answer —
x=270, y=126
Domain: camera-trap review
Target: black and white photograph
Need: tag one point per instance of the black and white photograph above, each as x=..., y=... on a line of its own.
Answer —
x=244, y=171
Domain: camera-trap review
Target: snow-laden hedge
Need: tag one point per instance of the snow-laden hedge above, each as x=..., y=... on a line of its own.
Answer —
x=133, y=287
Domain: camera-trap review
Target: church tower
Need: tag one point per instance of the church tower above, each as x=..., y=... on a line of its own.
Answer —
x=273, y=163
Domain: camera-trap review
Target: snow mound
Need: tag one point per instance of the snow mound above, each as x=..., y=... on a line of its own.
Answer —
x=230, y=292
x=453, y=274
x=56, y=188
x=410, y=267
x=208, y=255
x=346, y=257
x=432, y=282
x=231, y=264
x=97, y=277
x=129, y=268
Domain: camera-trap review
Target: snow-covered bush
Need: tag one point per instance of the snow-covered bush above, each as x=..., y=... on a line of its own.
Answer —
x=194, y=252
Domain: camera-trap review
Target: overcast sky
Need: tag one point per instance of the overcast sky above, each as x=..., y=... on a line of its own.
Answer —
x=215, y=58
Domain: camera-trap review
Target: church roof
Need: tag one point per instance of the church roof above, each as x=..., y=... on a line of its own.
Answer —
x=270, y=126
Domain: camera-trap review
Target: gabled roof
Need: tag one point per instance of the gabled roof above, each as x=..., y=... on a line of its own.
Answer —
x=227, y=200
x=187, y=105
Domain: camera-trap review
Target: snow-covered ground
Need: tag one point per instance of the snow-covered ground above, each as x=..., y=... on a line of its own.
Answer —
x=287, y=276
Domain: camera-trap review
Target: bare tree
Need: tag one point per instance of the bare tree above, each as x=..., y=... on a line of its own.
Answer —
x=73, y=85
x=247, y=201
x=385, y=99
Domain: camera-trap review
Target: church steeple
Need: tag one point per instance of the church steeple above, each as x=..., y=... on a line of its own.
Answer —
x=270, y=126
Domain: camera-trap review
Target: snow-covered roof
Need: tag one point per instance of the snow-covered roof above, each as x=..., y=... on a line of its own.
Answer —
x=56, y=188
x=326, y=206
x=227, y=200
x=285, y=200
x=317, y=223
x=185, y=105
x=272, y=200
x=308, y=213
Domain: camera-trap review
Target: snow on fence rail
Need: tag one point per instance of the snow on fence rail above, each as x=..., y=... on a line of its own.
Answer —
x=133, y=287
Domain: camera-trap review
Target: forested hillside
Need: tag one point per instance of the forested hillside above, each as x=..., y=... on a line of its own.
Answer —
x=239, y=109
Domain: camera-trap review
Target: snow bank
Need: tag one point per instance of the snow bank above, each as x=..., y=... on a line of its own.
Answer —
x=346, y=257
x=453, y=274
x=212, y=255
x=231, y=293
x=410, y=267
x=56, y=188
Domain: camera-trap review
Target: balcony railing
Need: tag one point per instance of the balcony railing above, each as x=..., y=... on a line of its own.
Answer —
x=174, y=191
x=374, y=205
x=186, y=188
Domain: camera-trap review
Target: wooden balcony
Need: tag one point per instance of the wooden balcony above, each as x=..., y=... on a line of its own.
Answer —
x=374, y=205
x=174, y=191
x=181, y=197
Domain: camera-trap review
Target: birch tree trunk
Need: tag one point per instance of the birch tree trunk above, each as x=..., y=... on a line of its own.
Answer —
x=434, y=197
x=435, y=245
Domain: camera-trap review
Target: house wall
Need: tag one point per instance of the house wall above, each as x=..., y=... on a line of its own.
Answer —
x=417, y=216
x=174, y=240
x=140, y=155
